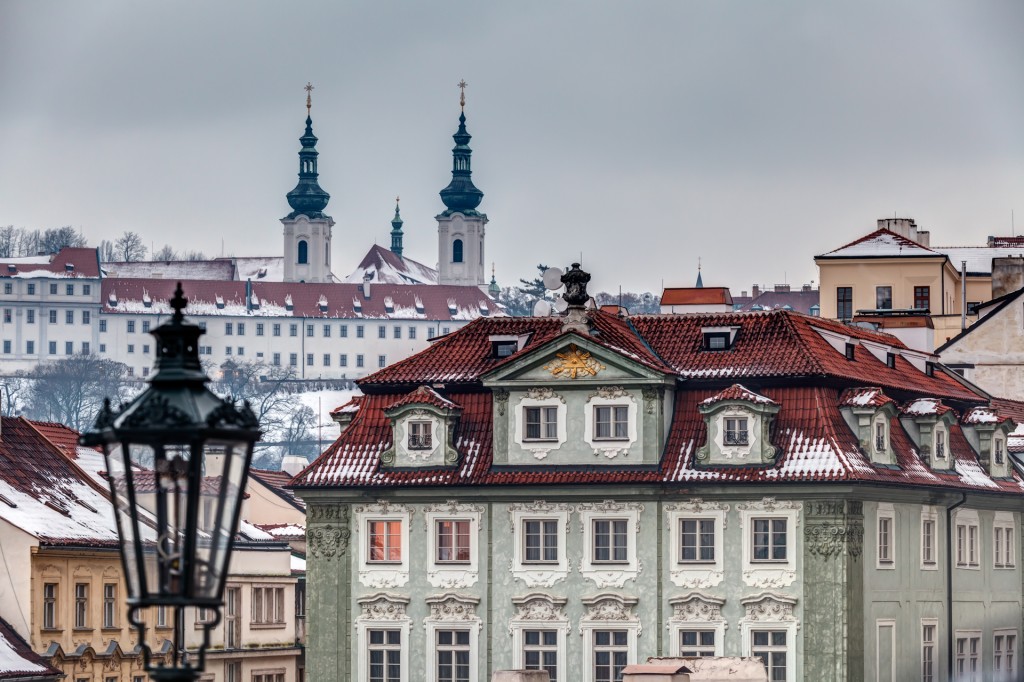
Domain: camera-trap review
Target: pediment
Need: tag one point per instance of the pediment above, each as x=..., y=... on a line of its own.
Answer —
x=571, y=359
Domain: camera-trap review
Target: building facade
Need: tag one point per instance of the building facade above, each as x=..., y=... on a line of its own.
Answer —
x=581, y=493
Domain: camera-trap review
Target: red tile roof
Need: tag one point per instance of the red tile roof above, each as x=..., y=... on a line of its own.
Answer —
x=696, y=296
x=300, y=299
x=883, y=243
x=738, y=392
x=276, y=482
x=870, y=396
x=385, y=266
x=424, y=395
x=351, y=406
x=68, y=262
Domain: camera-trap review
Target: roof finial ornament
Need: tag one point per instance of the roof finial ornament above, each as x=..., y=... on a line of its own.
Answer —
x=309, y=99
x=462, y=94
x=179, y=303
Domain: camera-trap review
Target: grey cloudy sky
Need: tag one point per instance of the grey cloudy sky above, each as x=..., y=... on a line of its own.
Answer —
x=644, y=134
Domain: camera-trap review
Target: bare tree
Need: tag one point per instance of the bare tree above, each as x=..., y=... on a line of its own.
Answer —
x=58, y=238
x=165, y=253
x=71, y=390
x=107, y=254
x=8, y=241
x=266, y=387
x=129, y=247
x=193, y=255
x=14, y=391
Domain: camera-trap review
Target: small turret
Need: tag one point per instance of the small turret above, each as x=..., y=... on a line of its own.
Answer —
x=493, y=289
x=396, y=232
x=461, y=195
x=308, y=198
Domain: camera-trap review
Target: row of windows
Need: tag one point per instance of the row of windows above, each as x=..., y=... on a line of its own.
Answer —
x=69, y=316
x=541, y=542
x=967, y=542
x=276, y=328
x=611, y=422
x=968, y=654
x=52, y=347
x=81, y=617
x=609, y=652
x=883, y=300
x=293, y=359
x=30, y=289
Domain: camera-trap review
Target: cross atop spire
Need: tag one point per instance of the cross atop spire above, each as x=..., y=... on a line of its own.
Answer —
x=309, y=99
x=462, y=94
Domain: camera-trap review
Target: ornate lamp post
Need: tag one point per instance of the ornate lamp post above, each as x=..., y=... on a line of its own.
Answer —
x=177, y=460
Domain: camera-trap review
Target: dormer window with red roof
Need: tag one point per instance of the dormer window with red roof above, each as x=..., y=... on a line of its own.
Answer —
x=738, y=423
x=928, y=422
x=423, y=423
x=719, y=338
x=987, y=431
x=869, y=413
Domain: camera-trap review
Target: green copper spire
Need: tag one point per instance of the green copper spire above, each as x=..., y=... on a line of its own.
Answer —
x=308, y=198
x=493, y=289
x=461, y=195
x=396, y=232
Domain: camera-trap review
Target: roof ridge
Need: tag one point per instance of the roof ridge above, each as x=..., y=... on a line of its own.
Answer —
x=82, y=473
x=800, y=340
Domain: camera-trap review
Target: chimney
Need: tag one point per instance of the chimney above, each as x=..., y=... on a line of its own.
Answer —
x=366, y=285
x=755, y=291
x=806, y=288
x=905, y=227
x=1007, y=275
x=743, y=294
x=781, y=288
x=924, y=237
x=293, y=464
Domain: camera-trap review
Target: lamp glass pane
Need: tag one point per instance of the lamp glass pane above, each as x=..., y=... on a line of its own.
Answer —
x=222, y=494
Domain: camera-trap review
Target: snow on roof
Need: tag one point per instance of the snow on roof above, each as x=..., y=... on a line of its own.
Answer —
x=981, y=415
x=979, y=258
x=172, y=269
x=738, y=392
x=283, y=531
x=68, y=262
x=298, y=564
x=864, y=397
x=17, y=660
x=924, y=407
x=258, y=268
x=384, y=266
x=251, y=531
x=880, y=244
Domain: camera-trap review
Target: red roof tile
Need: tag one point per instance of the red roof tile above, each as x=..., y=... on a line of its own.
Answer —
x=276, y=482
x=738, y=392
x=882, y=243
x=68, y=262
x=696, y=296
x=424, y=395
x=351, y=406
x=870, y=396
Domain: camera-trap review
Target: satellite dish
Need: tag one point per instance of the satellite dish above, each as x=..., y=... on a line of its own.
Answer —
x=552, y=279
x=541, y=308
x=561, y=305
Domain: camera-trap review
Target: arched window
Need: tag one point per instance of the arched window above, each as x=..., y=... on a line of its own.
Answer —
x=457, y=251
x=303, y=252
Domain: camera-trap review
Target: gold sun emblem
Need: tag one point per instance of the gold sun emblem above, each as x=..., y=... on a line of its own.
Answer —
x=573, y=364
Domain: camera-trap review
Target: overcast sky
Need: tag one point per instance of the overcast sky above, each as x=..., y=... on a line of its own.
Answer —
x=645, y=134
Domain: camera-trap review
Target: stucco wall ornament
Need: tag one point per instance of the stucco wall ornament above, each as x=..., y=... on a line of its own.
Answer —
x=542, y=394
x=383, y=606
x=697, y=505
x=573, y=364
x=831, y=539
x=610, y=607
x=501, y=401
x=540, y=507
x=609, y=392
x=652, y=398
x=539, y=606
x=769, y=607
x=452, y=607
x=326, y=542
x=384, y=507
x=609, y=507
x=696, y=607
x=452, y=507
x=769, y=504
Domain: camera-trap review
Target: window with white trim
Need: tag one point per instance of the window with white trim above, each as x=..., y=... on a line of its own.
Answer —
x=539, y=553
x=540, y=651
x=610, y=541
x=611, y=422
x=998, y=451
x=886, y=542
x=696, y=540
x=452, y=541
x=929, y=524
x=769, y=539
x=929, y=662
x=268, y=605
x=110, y=605
x=771, y=646
x=1003, y=547
x=384, y=655
x=452, y=655
x=385, y=541
x=968, y=657
x=540, y=541
x=694, y=643
x=539, y=629
x=382, y=549
x=736, y=432
x=879, y=436
x=770, y=530
x=609, y=530
x=81, y=605
x=50, y=606
x=967, y=536
x=1004, y=654
x=540, y=423
x=421, y=435
x=940, y=443
x=609, y=643
x=610, y=654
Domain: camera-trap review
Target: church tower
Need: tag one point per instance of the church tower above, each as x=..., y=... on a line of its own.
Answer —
x=460, y=228
x=307, y=229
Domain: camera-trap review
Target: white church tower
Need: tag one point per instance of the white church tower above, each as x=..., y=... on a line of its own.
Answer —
x=461, y=228
x=307, y=229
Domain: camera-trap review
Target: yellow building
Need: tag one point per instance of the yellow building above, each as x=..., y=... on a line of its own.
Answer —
x=894, y=279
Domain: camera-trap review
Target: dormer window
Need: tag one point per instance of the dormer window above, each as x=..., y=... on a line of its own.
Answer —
x=540, y=423
x=736, y=431
x=879, y=436
x=716, y=341
x=503, y=349
x=611, y=422
x=849, y=351
x=890, y=360
x=420, y=435
x=997, y=451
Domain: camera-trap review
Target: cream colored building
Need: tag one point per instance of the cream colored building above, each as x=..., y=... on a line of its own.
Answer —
x=894, y=279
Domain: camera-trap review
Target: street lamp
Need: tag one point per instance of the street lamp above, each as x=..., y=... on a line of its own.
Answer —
x=177, y=461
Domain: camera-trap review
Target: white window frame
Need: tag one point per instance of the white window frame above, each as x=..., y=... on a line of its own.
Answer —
x=696, y=611
x=452, y=612
x=883, y=422
x=382, y=611
x=610, y=448
x=541, y=649
x=453, y=574
x=1004, y=530
x=540, y=611
x=545, y=398
x=402, y=435
x=771, y=611
x=967, y=636
x=773, y=574
x=965, y=558
x=695, y=575
x=531, y=574
x=929, y=515
x=880, y=625
x=937, y=667
x=608, y=611
x=615, y=574
x=940, y=430
x=419, y=429
x=1010, y=673
x=378, y=574
x=885, y=520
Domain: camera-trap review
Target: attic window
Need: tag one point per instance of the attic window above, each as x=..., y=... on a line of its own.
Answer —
x=419, y=305
x=849, y=350
x=261, y=273
x=484, y=310
x=288, y=305
x=929, y=369
x=69, y=267
x=254, y=302
x=719, y=338
x=87, y=506
x=452, y=307
x=219, y=302
x=504, y=349
x=322, y=303
x=890, y=360
x=112, y=300
x=12, y=268
x=57, y=507
x=146, y=300
x=357, y=305
x=389, y=305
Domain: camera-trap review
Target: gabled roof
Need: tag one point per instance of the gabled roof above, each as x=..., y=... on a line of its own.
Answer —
x=1000, y=304
x=923, y=407
x=881, y=243
x=983, y=414
x=300, y=299
x=17, y=660
x=384, y=266
x=45, y=494
x=738, y=392
x=424, y=395
x=864, y=397
x=696, y=296
x=68, y=262
x=275, y=481
x=352, y=406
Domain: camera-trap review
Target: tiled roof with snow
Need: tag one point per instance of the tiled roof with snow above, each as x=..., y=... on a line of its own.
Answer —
x=384, y=266
x=283, y=531
x=978, y=258
x=923, y=407
x=18, y=661
x=172, y=269
x=68, y=262
x=351, y=407
x=881, y=244
x=300, y=299
x=781, y=356
x=982, y=415
x=424, y=395
x=738, y=392
x=257, y=268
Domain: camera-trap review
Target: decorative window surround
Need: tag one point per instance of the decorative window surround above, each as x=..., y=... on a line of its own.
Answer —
x=608, y=611
x=872, y=423
x=771, y=611
x=885, y=537
x=696, y=611
x=1004, y=546
x=449, y=575
x=967, y=539
x=538, y=574
x=540, y=611
x=539, y=397
x=738, y=403
x=928, y=422
x=614, y=574
x=693, y=575
x=425, y=408
x=929, y=515
x=374, y=574
x=610, y=395
x=769, y=574
x=452, y=611
x=984, y=429
x=382, y=611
